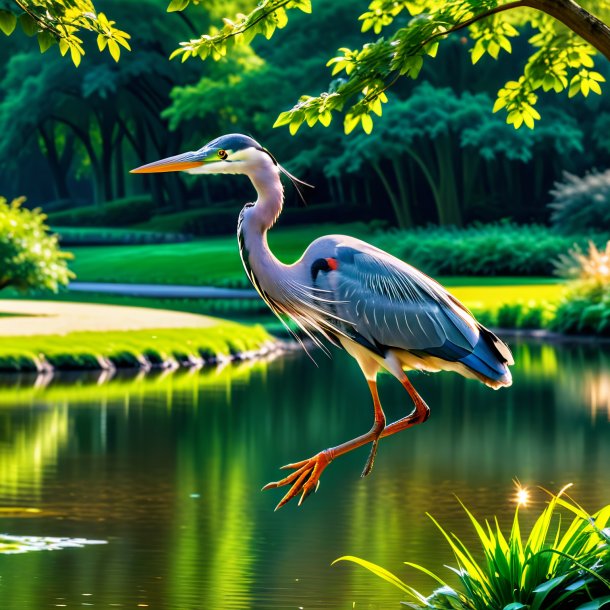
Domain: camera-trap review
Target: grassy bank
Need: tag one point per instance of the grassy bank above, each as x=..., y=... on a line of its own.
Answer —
x=128, y=349
x=212, y=262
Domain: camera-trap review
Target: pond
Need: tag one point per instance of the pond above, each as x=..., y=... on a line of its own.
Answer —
x=167, y=469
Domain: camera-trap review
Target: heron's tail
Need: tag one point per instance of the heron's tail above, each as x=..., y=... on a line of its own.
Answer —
x=490, y=360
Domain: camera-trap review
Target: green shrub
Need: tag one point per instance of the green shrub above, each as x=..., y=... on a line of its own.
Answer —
x=125, y=359
x=582, y=203
x=118, y=213
x=481, y=250
x=554, y=567
x=30, y=257
x=585, y=310
x=153, y=357
x=17, y=364
x=73, y=362
x=86, y=236
x=509, y=315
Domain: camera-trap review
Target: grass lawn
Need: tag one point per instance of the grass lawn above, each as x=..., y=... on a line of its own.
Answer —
x=213, y=261
x=82, y=350
x=75, y=336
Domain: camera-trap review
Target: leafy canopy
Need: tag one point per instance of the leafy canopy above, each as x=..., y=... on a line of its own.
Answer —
x=30, y=257
x=560, y=59
x=61, y=21
x=563, y=36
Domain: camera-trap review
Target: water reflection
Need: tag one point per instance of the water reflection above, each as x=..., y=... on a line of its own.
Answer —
x=168, y=468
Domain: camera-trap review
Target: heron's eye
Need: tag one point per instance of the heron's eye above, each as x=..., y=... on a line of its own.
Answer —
x=223, y=154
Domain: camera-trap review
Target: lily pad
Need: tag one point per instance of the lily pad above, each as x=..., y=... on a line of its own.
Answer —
x=25, y=544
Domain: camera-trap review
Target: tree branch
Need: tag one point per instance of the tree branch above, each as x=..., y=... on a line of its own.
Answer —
x=572, y=15
x=465, y=24
x=580, y=21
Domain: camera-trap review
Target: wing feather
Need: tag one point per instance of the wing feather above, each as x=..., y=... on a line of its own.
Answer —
x=376, y=292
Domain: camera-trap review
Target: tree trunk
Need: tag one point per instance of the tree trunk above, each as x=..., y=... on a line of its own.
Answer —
x=392, y=196
x=407, y=218
x=59, y=178
x=448, y=204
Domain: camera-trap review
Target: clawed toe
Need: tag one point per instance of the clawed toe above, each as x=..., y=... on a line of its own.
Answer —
x=304, y=480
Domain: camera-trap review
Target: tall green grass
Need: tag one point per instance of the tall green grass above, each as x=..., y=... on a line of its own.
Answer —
x=561, y=564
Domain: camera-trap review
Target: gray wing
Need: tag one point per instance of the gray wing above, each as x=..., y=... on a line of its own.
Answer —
x=391, y=304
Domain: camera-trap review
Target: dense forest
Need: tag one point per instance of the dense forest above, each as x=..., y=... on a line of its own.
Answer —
x=438, y=154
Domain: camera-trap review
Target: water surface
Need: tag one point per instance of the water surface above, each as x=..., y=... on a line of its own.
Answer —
x=168, y=469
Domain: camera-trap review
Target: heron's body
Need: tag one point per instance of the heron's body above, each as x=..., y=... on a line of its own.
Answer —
x=382, y=311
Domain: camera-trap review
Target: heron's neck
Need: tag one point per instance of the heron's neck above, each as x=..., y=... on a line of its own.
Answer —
x=268, y=206
x=255, y=221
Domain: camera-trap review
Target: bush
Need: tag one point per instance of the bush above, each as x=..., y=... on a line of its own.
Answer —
x=118, y=213
x=69, y=236
x=586, y=308
x=481, y=250
x=30, y=257
x=581, y=204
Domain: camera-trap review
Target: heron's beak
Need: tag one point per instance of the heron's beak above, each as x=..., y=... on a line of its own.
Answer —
x=177, y=163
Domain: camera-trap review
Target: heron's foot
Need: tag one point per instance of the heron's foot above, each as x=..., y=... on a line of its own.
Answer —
x=304, y=480
x=371, y=459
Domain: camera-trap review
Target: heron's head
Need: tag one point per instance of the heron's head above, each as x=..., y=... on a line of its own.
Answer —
x=230, y=154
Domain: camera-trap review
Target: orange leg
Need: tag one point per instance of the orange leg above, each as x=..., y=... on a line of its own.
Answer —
x=419, y=415
x=377, y=428
x=306, y=476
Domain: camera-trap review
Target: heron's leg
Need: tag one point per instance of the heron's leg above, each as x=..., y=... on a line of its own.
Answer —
x=306, y=475
x=377, y=428
x=419, y=415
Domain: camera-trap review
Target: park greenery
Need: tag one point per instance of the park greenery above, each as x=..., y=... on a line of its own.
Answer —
x=450, y=161
x=566, y=37
x=559, y=564
x=29, y=256
x=131, y=349
x=442, y=181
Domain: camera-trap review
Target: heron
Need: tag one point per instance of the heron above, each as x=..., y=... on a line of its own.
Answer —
x=385, y=313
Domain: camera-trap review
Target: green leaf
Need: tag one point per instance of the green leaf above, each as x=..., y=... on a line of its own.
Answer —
x=325, y=118
x=303, y=5
x=499, y=104
x=383, y=573
x=28, y=25
x=283, y=119
x=350, y=122
x=114, y=49
x=177, y=5
x=45, y=41
x=367, y=123
x=477, y=51
x=514, y=606
x=595, y=604
x=8, y=21
x=75, y=54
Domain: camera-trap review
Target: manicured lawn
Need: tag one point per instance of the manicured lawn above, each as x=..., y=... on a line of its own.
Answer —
x=77, y=336
x=82, y=350
x=213, y=261
x=492, y=296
